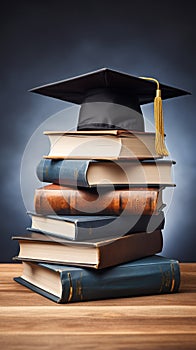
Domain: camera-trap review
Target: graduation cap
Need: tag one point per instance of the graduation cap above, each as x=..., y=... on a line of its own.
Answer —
x=111, y=100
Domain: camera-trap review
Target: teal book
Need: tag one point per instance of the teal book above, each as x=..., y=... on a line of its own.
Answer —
x=64, y=284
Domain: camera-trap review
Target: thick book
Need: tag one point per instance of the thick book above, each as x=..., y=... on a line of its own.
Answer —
x=81, y=228
x=101, y=144
x=64, y=284
x=90, y=173
x=62, y=200
x=96, y=254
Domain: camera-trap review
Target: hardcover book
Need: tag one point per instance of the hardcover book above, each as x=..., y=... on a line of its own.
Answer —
x=90, y=173
x=97, y=253
x=62, y=200
x=101, y=144
x=81, y=228
x=64, y=284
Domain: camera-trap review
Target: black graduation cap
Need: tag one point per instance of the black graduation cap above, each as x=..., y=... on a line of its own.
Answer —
x=111, y=100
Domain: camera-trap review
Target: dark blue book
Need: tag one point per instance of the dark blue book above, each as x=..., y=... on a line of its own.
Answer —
x=89, y=173
x=81, y=228
x=64, y=284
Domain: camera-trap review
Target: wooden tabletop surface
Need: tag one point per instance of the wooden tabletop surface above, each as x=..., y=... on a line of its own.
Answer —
x=30, y=321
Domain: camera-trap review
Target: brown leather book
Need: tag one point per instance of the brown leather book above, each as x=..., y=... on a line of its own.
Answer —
x=61, y=200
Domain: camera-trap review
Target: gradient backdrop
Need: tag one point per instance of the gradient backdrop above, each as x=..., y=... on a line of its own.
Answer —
x=46, y=41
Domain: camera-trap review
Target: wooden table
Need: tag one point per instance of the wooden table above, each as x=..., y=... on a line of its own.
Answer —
x=29, y=321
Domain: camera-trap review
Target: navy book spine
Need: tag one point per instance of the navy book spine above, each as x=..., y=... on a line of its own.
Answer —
x=63, y=172
x=148, y=276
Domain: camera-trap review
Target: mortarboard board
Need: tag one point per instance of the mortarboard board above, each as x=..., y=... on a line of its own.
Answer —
x=111, y=100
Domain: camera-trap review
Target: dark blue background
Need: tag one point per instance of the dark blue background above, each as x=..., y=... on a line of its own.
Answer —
x=46, y=41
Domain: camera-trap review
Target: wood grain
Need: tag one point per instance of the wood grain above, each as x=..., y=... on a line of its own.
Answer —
x=150, y=322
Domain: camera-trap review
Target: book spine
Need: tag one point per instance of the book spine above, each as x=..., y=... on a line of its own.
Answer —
x=56, y=199
x=120, y=282
x=64, y=172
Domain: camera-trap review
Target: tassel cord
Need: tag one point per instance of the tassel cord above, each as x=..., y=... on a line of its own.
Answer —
x=160, y=146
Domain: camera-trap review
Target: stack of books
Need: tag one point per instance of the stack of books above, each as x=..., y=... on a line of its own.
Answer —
x=97, y=225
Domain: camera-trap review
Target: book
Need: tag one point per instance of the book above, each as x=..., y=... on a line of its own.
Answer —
x=62, y=200
x=97, y=253
x=90, y=173
x=65, y=284
x=101, y=144
x=81, y=228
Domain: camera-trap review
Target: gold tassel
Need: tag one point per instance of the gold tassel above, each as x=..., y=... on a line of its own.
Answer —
x=160, y=146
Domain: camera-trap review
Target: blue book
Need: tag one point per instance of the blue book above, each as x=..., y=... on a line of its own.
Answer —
x=64, y=284
x=81, y=228
x=89, y=173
